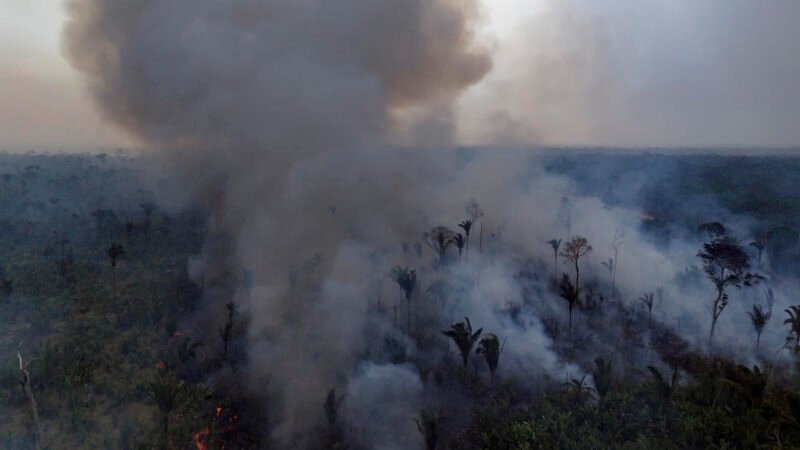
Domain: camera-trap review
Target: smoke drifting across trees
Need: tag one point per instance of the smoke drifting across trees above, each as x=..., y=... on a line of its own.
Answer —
x=284, y=118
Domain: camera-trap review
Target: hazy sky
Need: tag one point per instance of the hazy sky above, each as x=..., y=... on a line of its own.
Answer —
x=42, y=104
x=627, y=72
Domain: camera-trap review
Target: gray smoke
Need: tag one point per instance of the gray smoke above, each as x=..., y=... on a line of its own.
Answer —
x=645, y=73
x=285, y=118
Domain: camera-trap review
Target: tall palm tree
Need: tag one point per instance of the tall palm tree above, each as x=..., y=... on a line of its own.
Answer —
x=427, y=426
x=114, y=253
x=568, y=292
x=467, y=227
x=440, y=238
x=406, y=280
x=331, y=407
x=664, y=389
x=603, y=377
x=167, y=395
x=490, y=348
x=759, y=243
x=555, y=244
x=462, y=335
x=459, y=241
x=759, y=319
x=794, y=325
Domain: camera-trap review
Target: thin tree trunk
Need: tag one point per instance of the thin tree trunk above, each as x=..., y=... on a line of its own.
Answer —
x=758, y=340
x=408, y=315
x=569, y=329
x=480, y=240
x=26, y=385
x=711, y=333
x=114, y=283
x=555, y=264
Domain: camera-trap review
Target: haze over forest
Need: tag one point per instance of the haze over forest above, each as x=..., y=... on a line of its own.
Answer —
x=399, y=224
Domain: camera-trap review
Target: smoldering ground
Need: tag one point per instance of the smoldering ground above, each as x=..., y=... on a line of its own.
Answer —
x=296, y=123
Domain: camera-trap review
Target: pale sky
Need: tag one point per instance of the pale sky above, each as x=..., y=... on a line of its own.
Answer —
x=617, y=72
x=42, y=104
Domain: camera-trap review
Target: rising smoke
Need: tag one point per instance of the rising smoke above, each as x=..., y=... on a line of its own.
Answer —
x=299, y=124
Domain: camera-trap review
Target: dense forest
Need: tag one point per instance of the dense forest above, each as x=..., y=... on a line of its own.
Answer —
x=114, y=337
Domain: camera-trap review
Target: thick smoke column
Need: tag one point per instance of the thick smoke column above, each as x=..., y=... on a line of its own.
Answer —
x=281, y=115
x=274, y=112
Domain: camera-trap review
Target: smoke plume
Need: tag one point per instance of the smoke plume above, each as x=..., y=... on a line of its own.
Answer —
x=301, y=125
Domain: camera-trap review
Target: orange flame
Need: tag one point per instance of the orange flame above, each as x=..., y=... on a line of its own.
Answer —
x=200, y=439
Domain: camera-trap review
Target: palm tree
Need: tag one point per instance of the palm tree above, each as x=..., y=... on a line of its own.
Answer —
x=794, y=325
x=647, y=300
x=331, y=407
x=406, y=280
x=603, y=377
x=490, y=348
x=167, y=394
x=461, y=333
x=114, y=253
x=579, y=389
x=664, y=389
x=427, y=426
x=459, y=241
x=467, y=227
x=759, y=243
x=440, y=238
x=555, y=244
x=759, y=318
x=573, y=250
x=568, y=292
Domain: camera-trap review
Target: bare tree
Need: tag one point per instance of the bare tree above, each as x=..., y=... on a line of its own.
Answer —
x=25, y=382
x=574, y=249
